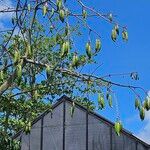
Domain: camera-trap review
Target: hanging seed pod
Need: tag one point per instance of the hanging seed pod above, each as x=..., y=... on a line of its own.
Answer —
x=118, y=127
x=28, y=128
x=117, y=29
x=28, y=49
x=114, y=35
x=146, y=104
x=84, y=14
x=88, y=50
x=1, y=75
x=59, y=4
x=142, y=113
x=52, y=12
x=72, y=109
x=48, y=69
x=75, y=61
x=110, y=17
x=13, y=21
x=110, y=103
x=125, y=35
x=101, y=101
x=67, y=30
x=16, y=56
x=137, y=103
x=62, y=15
x=45, y=9
x=65, y=49
x=29, y=7
x=19, y=71
x=35, y=95
x=98, y=45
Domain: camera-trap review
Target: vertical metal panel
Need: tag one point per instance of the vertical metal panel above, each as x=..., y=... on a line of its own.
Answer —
x=35, y=136
x=64, y=124
x=53, y=129
x=123, y=142
x=141, y=147
x=75, y=129
x=99, y=134
x=25, y=142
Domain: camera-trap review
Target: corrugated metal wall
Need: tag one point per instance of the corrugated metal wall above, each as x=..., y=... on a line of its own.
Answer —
x=83, y=131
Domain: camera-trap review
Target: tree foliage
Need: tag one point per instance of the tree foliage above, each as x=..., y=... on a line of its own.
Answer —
x=40, y=61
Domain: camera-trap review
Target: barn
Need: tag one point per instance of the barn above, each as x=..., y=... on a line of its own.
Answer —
x=86, y=130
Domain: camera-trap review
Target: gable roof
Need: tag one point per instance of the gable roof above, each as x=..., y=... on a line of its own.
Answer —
x=99, y=117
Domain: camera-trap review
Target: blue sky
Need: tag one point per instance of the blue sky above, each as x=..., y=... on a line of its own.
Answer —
x=121, y=57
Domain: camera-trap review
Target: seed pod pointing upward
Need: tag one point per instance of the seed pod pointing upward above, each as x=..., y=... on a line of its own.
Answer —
x=88, y=50
x=98, y=45
x=62, y=15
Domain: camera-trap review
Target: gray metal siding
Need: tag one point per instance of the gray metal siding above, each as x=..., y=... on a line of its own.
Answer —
x=59, y=131
x=53, y=129
x=75, y=129
x=99, y=134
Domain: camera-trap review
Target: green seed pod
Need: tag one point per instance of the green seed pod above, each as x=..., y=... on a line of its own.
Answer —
x=16, y=56
x=110, y=17
x=52, y=12
x=72, y=109
x=125, y=35
x=1, y=75
x=65, y=49
x=146, y=104
x=142, y=113
x=62, y=15
x=88, y=50
x=118, y=127
x=44, y=10
x=19, y=71
x=84, y=13
x=28, y=128
x=67, y=30
x=75, y=61
x=97, y=45
x=137, y=103
x=117, y=29
x=48, y=69
x=59, y=4
x=29, y=7
x=35, y=95
x=101, y=101
x=114, y=35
